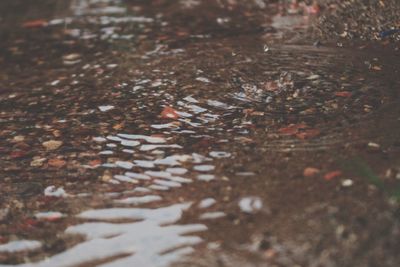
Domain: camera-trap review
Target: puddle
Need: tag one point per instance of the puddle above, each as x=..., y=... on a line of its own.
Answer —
x=182, y=137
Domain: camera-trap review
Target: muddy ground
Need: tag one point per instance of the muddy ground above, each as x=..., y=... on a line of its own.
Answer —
x=199, y=133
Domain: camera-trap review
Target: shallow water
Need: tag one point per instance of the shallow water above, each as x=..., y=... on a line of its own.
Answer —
x=186, y=128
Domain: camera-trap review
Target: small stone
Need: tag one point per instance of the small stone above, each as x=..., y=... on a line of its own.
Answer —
x=73, y=56
x=373, y=145
x=347, y=183
x=18, y=138
x=52, y=145
x=105, y=108
x=4, y=214
x=106, y=177
x=53, y=191
x=37, y=162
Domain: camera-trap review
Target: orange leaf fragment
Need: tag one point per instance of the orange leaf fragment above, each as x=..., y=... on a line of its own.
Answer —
x=309, y=133
x=35, y=23
x=330, y=175
x=271, y=86
x=57, y=163
x=343, y=94
x=54, y=218
x=169, y=113
x=95, y=162
x=118, y=126
x=292, y=129
x=310, y=171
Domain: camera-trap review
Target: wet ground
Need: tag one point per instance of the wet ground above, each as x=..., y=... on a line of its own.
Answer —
x=197, y=133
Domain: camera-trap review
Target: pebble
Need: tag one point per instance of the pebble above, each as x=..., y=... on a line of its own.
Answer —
x=347, y=183
x=52, y=145
x=106, y=108
x=38, y=162
x=52, y=191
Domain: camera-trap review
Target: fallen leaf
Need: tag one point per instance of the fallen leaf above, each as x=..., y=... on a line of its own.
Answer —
x=57, y=133
x=118, y=126
x=271, y=86
x=310, y=171
x=57, y=163
x=313, y=9
x=377, y=68
x=53, y=217
x=30, y=223
x=343, y=94
x=292, y=129
x=309, y=133
x=169, y=113
x=182, y=33
x=35, y=23
x=95, y=162
x=244, y=139
x=330, y=175
x=17, y=154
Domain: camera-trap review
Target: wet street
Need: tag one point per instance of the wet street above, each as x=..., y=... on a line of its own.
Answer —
x=198, y=133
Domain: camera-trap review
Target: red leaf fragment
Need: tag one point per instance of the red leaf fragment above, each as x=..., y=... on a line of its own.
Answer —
x=309, y=133
x=343, y=94
x=313, y=9
x=53, y=218
x=30, y=223
x=169, y=113
x=17, y=154
x=57, y=163
x=330, y=175
x=271, y=86
x=35, y=23
x=95, y=162
x=292, y=129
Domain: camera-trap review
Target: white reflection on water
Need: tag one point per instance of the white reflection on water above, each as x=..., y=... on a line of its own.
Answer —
x=150, y=240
